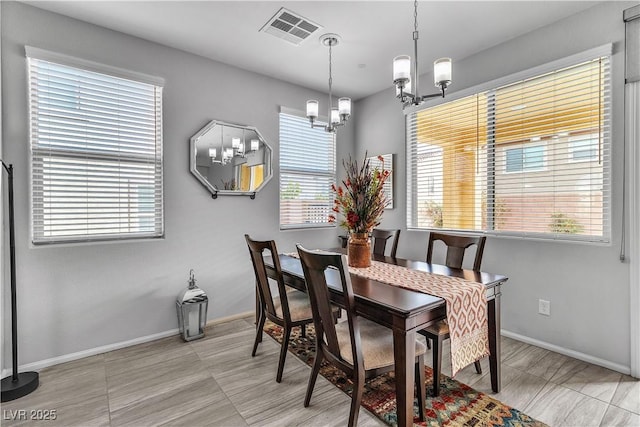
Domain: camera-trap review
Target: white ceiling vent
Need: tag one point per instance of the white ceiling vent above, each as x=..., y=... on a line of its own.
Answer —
x=290, y=26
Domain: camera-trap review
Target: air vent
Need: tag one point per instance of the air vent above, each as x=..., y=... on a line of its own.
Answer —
x=290, y=26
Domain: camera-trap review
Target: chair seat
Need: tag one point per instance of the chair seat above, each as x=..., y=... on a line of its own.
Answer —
x=377, y=344
x=299, y=306
x=441, y=327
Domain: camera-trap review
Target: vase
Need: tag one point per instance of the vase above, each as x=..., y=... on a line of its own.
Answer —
x=359, y=250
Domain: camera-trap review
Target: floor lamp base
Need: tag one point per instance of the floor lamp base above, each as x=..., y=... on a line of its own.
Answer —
x=25, y=384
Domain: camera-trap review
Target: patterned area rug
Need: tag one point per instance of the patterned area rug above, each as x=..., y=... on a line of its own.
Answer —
x=457, y=405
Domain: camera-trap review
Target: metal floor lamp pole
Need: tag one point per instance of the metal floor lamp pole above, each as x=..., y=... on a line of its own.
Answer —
x=18, y=384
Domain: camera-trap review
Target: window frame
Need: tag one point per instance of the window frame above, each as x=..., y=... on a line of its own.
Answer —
x=331, y=174
x=489, y=88
x=156, y=189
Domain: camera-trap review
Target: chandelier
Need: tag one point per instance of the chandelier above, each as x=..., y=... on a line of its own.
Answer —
x=402, y=72
x=337, y=116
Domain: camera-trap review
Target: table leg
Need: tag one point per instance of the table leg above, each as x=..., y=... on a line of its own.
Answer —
x=494, y=342
x=404, y=349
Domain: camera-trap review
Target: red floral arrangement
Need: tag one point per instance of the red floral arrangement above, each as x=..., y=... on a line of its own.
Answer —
x=362, y=200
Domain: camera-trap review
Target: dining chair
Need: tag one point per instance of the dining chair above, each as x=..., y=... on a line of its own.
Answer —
x=380, y=238
x=357, y=346
x=288, y=309
x=439, y=331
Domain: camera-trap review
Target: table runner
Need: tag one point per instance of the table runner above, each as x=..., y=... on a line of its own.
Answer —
x=466, y=306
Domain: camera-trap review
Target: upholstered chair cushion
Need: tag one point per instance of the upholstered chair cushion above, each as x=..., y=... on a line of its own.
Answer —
x=377, y=344
x=299, y=306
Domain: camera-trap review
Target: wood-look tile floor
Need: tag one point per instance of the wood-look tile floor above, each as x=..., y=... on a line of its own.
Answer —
x=215, y=381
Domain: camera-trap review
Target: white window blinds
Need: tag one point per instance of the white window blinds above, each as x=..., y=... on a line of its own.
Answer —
x=96, y=155
x=307, y=170
x=530, y=158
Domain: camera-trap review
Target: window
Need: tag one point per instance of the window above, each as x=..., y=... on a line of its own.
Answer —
x=96, y=152
x=307, y=170
x=583, y=148
x=524, y=159
x=529, y=158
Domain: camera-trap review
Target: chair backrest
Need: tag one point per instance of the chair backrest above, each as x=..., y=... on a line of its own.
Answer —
x=314, y=265
x=256, y=250
x=380, y=238
x=456, y=246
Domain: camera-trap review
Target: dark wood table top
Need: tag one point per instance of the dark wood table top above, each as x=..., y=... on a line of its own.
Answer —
x=396, y=299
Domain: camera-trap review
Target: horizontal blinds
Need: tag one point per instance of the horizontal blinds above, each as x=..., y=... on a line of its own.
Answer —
x=307, y=170
x=96, y=146
x=530, y=158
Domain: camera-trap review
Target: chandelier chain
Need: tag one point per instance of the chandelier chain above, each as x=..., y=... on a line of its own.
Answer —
x=330, y=78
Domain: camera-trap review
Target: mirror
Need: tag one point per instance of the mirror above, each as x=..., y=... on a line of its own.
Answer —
x=230, y=159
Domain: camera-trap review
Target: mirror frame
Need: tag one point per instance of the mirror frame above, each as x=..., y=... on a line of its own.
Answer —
x=214, y=190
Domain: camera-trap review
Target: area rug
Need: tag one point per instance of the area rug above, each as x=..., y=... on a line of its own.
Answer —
x=457, y=405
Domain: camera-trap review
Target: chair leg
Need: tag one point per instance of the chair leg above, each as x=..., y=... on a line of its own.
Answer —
x=428, y=343
x=303, y=331
x=478, y=366
x=356, y=399
x=283, y=352
x=312, y=378
x=437, y=364
x=259, y=328
x=420, y=387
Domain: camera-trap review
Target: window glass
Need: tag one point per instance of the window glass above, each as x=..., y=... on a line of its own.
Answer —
x=307, y=171
x=529, y=159
x=96, y=155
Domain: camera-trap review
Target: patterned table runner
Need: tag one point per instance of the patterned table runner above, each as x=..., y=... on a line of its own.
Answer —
x=466, y=306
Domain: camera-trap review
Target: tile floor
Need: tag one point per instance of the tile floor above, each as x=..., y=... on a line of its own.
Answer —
x=215, y=381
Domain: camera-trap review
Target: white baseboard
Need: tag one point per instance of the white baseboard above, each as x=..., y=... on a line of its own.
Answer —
x=568, y=352
x=36, y=366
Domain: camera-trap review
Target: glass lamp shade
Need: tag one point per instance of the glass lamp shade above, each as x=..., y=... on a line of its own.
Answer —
x=442, y=71
x=241, y=147
x=344, y=106
x=312, y=108
x=335, y=116
x=401, y=68
x=212, y=153
x=255, y=144
x=235, y=143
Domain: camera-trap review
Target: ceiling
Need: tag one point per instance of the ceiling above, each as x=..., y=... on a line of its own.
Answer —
x=372, y=32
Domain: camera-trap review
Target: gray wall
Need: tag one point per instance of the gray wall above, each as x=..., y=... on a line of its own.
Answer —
x=74, y=298
x=587, y=284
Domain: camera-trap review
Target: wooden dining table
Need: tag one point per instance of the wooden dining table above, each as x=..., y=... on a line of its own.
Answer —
x=405, y=312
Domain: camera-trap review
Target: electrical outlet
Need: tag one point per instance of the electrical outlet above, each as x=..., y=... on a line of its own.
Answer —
x=544, y=307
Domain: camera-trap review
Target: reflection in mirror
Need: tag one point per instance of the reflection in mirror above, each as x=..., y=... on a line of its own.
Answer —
x=230, y=159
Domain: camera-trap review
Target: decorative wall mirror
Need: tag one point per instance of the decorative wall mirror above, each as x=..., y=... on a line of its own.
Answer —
x=230, y=159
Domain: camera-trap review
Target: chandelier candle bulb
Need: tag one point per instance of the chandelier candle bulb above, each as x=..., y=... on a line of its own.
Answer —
x=335, y=116
x=255, y=144
x=401, y=68
x=344, y=106
x=442, y=71
x=212, y=152
x=312, y=109
x=235, y=142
